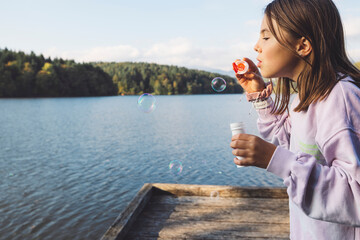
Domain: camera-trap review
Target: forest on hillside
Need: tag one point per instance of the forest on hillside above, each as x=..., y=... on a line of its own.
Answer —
x=137, y=78
x=31, y=75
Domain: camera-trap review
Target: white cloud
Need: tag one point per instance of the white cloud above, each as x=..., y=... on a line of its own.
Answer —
x=178, y=51
x=183, y=52
x=111, y=53
x=107, y=53
x=173, y=47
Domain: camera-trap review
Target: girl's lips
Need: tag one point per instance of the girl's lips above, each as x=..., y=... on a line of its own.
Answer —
x=259, y=64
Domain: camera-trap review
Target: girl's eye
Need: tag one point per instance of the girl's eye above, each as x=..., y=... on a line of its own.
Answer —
x=265, y=38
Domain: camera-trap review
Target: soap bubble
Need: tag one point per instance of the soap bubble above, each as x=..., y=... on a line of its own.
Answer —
x=218, y=84
x=146, y=103
x=175, y=167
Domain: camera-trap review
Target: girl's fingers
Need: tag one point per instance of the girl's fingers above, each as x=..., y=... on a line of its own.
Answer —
x=241, y=77
x=237, y=161
x=238, y=75
x=252, y=65
x=239, y=152
x=246, y=76
x=238, y=144
x=240, y=136
x=249, y=75
x=242, y=162
x=254, y=68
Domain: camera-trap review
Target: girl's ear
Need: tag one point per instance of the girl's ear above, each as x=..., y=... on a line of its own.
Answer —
x=303, y=47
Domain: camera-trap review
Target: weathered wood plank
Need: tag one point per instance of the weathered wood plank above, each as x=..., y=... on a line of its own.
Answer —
x=223, y=191
x=181, y=211
x=223, y=222
x=220, y=216
x=123, y=222
x=197, y=208
x=210, y=230
x=261, y=203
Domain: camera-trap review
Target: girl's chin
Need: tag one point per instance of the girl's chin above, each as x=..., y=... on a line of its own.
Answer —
x=267, y=74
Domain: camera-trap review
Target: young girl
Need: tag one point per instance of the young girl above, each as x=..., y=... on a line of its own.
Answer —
x=315, y=144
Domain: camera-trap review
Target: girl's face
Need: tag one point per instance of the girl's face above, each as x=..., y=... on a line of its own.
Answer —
x=274, y=59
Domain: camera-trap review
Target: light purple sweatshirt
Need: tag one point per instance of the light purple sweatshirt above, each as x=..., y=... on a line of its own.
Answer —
x=318, y=157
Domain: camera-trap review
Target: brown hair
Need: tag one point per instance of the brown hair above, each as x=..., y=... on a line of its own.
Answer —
x=319, y=22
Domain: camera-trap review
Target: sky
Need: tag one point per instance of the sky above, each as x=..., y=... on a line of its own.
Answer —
x=197, y=34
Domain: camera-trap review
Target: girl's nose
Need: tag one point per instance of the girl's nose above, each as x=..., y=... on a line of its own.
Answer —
x=257, y=48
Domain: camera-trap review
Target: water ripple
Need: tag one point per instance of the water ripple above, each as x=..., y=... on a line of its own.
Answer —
x=69, y=166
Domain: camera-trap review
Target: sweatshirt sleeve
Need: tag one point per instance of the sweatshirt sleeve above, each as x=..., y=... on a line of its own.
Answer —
x=274, y=128
x=329, y=193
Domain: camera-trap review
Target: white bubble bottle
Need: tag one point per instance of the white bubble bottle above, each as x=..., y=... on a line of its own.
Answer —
x=237, y=128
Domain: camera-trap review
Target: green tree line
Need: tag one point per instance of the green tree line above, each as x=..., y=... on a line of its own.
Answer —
x=137, y=78
x=29, y=75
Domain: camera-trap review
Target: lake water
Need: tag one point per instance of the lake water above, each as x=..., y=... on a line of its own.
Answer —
x=69, y=166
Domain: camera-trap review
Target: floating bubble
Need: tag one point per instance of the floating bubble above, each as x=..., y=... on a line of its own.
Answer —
x=146, y=103
x=218, y=84
x=175, y=167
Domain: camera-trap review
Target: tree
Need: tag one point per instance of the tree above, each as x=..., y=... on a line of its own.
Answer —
x=138, y=78
x=23, y=75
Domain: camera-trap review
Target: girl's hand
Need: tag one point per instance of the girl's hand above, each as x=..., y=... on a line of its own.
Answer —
x=254, y=150
x=251, y=81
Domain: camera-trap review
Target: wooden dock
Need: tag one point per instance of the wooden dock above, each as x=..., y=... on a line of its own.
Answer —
x=181, y=211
